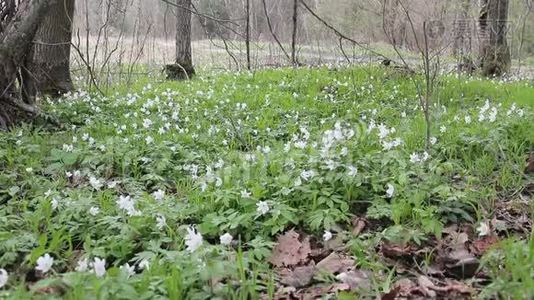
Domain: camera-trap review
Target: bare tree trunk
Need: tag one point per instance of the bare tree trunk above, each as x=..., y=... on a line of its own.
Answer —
x=16, y=36
x=183, y=69
x=47, y=69
x=247, y=33
x=394, y=24
x=462, y=30
x=495, y=57
x=294, y=33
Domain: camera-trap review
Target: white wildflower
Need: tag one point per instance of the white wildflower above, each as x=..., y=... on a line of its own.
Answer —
x=467, y=119
x=159, y=195
x=95, y=183
x=483, y=229
x=287, y=147
x=144, y=265
x=307, y=174
x=352, y=171
x=147, y=123
x=93, y=211
x=493, y=115
x=54, y=202
x=44, y=263
x=83, y=265
x=331, y=165
x=99, y=266
x=3, y=278
x=193, y=239
x=327, y=236
x=226, y=239
x=262, y=207
x=390, y=190
x=127, y=203
x=128, y=270
x=299, y=144
x=425, y=156
x=161, y=222
x=68, y=148
x=112, y=184
x=382, y=131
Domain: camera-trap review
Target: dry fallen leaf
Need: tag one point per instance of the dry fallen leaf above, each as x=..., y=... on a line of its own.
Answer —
x=396, y=251
x=459, y=262
x=355, y=279
x=317, y=292
x=335, y=263
x=480, y=246
x=457, y=239
x=299, y=277
x=337, y=243
x=290, y=251
x=401, y=288
x=499, y=225
x=426, y=286
x=464, y=268
x=453, y=286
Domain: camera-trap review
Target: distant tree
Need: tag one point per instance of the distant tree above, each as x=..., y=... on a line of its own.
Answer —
x=221, y=10
x=495, y=57
x=183, y=67
x=47, y=67
x=462, y=28
x=247, y=32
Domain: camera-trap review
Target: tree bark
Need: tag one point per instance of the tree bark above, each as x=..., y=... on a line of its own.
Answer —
x=16, y=38
x=47, y=68
x=495, y=57
x=183, y=68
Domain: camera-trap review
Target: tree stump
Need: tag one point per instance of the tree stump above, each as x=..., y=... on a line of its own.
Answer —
x=179, y=72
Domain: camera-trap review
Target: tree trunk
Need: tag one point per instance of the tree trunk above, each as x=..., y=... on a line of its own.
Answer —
x=16, y=36
x=48, y=66
x=183, y=69
x=495, y=57
x=294, y=33
x=247, y=33
x=462, y=30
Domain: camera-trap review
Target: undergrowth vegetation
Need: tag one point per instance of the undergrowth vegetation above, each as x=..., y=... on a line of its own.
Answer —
x=179, y=190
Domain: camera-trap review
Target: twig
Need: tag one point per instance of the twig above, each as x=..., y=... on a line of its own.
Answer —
x=269, y=24
x=341, y=35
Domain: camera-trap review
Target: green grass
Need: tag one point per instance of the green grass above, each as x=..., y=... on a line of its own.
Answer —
x=229, y=134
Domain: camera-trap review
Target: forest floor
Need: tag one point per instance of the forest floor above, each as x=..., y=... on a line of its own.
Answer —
x=283, y=184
